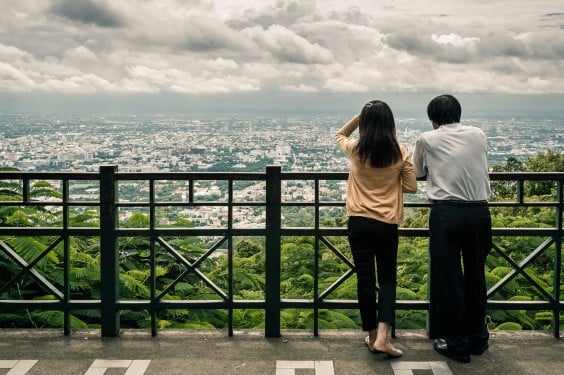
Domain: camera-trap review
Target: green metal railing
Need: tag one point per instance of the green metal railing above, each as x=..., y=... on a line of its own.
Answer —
x=109, y=232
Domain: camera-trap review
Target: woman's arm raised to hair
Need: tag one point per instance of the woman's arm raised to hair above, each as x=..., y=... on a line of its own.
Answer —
x=342, y=135
x=408, y=180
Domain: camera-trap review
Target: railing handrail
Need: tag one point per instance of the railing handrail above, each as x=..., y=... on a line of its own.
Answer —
x=109, y=232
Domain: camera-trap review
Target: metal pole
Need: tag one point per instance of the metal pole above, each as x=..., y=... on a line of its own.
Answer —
x=109, y=267
x=272, y=256
x=67, y=260
x=558, y=259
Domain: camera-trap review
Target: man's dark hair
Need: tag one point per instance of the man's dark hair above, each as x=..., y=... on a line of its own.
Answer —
x=444, y=109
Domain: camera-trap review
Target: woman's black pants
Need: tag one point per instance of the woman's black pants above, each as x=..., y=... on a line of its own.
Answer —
x=371, y=242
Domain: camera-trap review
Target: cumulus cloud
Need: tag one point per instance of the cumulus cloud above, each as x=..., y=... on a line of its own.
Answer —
x=297, y=46
x=14, y=80
x=282, y=12
x=80, y=84
x=455, y=40
x=212, y=77
x=11, y=53
x=348, y=43
x=79, y=55
x=344, y=85
x=287, y=46
x=203, y=34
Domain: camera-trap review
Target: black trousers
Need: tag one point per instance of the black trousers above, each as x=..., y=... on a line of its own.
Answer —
x=459, y=243
x=374, y=242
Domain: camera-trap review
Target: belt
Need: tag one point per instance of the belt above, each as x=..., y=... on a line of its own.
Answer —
x=459, y=203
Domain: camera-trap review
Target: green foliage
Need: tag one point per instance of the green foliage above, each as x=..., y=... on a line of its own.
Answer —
x=509, y=326
x=550, y=161
x=411, y=319
x=18, y=219
x=298, y=260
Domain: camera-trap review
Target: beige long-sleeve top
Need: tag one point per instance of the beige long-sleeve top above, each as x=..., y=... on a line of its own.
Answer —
x=376, y=193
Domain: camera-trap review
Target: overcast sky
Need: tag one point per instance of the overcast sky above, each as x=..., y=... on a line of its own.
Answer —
x=220, y=49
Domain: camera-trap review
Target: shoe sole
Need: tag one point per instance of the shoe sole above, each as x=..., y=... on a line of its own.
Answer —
x=461, y=359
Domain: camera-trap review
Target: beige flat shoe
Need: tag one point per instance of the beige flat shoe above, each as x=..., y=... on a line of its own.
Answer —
x=388, y=349
x=370, y=347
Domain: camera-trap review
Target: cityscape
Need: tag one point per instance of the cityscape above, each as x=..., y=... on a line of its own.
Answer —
x=225, y=144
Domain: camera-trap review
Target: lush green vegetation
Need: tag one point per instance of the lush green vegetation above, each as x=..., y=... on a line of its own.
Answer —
x=298, y=254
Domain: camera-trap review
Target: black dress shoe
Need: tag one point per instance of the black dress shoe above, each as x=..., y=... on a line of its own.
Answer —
x=441, y=346
x=478, y=350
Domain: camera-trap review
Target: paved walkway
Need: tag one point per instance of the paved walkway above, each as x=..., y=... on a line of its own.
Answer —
x=48, y=352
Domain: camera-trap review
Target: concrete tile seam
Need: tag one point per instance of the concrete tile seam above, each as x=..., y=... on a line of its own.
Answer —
x=134, y=367
x=289, y=367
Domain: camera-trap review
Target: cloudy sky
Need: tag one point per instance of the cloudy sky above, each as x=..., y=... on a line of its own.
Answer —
x=217, y=50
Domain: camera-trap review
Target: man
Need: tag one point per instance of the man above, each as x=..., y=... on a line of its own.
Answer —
x=453, y=158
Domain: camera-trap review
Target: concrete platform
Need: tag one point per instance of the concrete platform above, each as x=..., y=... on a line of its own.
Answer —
x=248, y=352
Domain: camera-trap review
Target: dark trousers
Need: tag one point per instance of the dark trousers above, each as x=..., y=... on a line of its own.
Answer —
x=372, y=240
x=459, y=242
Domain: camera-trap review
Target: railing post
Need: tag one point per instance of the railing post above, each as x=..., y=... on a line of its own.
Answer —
x=272, y=256
x=109, y=267
x=558, y=259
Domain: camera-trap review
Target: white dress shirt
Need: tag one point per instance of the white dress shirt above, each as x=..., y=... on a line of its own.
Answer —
x=454, y=159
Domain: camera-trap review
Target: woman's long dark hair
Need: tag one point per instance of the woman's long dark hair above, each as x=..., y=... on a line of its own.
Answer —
x=377, y=142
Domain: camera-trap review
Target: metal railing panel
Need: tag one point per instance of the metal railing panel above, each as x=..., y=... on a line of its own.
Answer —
x=110, y=232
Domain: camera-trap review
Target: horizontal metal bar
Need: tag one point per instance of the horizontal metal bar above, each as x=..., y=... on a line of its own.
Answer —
x=314, y=176
x=50, y=305
x=347, y=304
x=21, y=175
x=18, y=175
x=129, y=305
x=522, y=305
x=146, y=232
x=190, y=304
x=165, y=176
x=419, y=232
x=286, y=231
x=191, y=204
x=55, y=231
x=524, y=176
x=251, y=304
x=59, y=203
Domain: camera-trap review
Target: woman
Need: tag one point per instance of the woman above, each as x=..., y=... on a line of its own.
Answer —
x=380, y=171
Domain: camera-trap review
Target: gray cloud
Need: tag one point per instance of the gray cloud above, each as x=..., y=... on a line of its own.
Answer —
x=475, y=46
x=282, y=12
x=233, y=46
x=412, y=41
x=287, y=46
x=348, y=43
x=544, y=46
x=503, y=45
x=352, y=16
x=203, y=34
x=88, y=12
